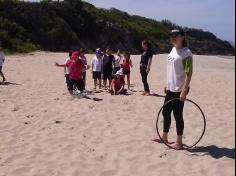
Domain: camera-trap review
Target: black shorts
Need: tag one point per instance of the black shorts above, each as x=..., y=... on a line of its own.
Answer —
x=77, y=83
x=97, y=75
x=107, y=75
x=126, y=72
x=0, y=68
x=67, y=81
x=84, y=75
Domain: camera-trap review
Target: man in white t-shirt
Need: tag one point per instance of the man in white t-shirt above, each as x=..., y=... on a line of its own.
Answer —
x=2, y=59
x=97, y=68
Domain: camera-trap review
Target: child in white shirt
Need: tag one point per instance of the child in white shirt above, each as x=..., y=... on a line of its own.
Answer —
x=97, y=68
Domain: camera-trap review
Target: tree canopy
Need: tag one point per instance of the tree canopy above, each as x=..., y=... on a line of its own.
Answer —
x=69, y=24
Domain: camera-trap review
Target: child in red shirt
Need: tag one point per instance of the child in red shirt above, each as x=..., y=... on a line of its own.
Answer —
x=118, y=83
x=76, y=67
x=127, y=63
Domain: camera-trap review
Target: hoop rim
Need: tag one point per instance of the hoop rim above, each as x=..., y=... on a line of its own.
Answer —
x=203, y=116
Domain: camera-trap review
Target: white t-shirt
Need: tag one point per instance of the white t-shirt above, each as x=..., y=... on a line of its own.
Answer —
x=97, y=64
x=2, y=58
x=117, y=60
x=179, y=62
x=67, y=69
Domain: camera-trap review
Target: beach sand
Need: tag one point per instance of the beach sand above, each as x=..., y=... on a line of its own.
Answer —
x=46, y=132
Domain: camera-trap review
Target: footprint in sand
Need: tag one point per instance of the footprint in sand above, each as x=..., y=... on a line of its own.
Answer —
x=163, y=155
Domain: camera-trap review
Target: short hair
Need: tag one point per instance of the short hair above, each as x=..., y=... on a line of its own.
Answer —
x=70, y=53
x=126, y=53
x=82, y=50
x=147, y=43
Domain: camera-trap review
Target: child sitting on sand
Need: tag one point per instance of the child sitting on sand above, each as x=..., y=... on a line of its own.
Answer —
x=118, y=83
x=127, y=63
x=75, y=75
x=2, y=59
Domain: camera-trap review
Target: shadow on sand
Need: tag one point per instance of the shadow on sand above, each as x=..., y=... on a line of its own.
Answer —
x=8, y=83
x=214, y=151
x=94, y=99
x=157, y=95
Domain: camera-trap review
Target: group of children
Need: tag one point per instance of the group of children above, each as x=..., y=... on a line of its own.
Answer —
x=106, y=67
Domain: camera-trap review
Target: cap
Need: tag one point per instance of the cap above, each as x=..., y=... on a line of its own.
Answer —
x=120, y=72
x=98, y=51
x=176, y=32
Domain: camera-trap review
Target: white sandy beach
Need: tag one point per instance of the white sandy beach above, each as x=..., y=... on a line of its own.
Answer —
x=46, y=132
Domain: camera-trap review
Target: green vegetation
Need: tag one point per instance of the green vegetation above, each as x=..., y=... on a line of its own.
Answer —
x=69, y=24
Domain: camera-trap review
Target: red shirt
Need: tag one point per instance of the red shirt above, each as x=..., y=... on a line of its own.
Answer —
x=76, y=68
x=126, y=64
x=118, y=83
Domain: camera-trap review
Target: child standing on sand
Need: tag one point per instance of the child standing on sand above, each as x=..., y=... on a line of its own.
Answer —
x=76, y=67
x=67, y=70
x=127, y=63
x=84, y=60
x=145, y=65
x=117, y=59
x=2, y=59
x=97, y=68
x=107, y=67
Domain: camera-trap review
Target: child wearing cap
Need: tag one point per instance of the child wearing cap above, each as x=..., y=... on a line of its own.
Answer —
x=97, y=68
x=118, y=84
x=76, y=67
x=126, y=65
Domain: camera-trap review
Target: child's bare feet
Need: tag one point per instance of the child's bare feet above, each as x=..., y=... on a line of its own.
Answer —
x=177, y=146
x=146, y=94
x=161, y=141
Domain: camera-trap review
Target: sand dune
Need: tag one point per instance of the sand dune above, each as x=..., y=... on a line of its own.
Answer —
x=46, y=132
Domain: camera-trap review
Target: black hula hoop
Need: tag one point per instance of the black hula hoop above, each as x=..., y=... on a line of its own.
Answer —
x=204, y=119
